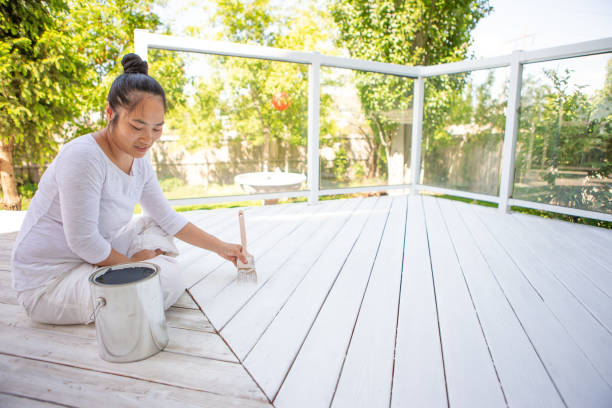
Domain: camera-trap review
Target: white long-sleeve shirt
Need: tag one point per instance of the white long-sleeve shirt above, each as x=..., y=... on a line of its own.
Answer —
x=83, y=200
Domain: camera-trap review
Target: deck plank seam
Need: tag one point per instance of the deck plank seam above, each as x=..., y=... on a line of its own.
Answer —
x=279, y=225
x=555, y=276
x=298, y=284
x=521, y=220
x=86, y=368
x=229, y=347
x=399, y=300
x=59, y=404
x=260, y=287
x=323, y=302
x=227, y=222
x=348, y=345
x=554, y=383
x=467, y=286
x=433, y=281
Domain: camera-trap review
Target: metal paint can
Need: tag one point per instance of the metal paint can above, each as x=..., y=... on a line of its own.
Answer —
x=129, y=311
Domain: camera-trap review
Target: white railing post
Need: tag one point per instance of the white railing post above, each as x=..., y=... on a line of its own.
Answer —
x=511, y=131
x=314, y=102
x=141, y=48
x=418, y=104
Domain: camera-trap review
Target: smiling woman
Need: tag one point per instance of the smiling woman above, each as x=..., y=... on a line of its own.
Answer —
x=81, y=216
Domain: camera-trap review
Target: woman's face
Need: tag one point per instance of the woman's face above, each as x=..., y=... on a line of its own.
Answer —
x=135, y=132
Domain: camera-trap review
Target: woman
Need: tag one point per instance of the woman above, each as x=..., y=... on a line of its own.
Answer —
x=80, y=216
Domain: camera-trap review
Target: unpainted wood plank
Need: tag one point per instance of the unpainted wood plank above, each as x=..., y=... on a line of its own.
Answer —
x=8, y=295
x=418, y=378
x=366, y=376
x=224, y=306
x=592, y=337
x=188, y=319
x=273, y=354
x=521, y=372
x=312, y=379
x=585, y=262
x=185, y=341
x=578, y=382
x=180, y=370
x=70, y=386
x=9, y=236
x=260, y=224
x=275, y=228
x=567, y=269
x=245, y=328
x=471, y=377
x=8, y=400
x=5, y=265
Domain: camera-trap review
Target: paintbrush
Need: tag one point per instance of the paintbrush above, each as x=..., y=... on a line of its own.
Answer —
x=246, y=271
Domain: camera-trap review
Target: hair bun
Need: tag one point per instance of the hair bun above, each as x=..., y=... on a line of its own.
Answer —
x=133, y=64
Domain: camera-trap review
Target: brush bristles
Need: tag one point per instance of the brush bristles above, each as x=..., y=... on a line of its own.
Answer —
x=246, y=275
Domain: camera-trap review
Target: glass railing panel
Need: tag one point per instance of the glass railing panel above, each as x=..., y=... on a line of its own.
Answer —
x=366, y=126
x=463, y=130
x=564, y=144
x=233, y=126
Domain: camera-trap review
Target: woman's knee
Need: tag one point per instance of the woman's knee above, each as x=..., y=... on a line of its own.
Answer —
x=171, y=279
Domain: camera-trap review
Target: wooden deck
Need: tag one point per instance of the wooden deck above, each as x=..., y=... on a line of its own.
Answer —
x=390, y=301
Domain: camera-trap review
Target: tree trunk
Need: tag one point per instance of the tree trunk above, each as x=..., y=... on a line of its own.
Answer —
x=10, y=196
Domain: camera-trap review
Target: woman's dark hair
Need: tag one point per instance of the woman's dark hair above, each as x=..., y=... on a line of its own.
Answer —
x=128, y=88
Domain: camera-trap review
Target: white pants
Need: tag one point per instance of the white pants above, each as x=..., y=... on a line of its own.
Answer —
x=67, y=299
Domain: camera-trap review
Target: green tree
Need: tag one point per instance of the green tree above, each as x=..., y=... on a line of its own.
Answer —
x=410, y=32
x=57, y=62
x=234, y=104
x=41, y=72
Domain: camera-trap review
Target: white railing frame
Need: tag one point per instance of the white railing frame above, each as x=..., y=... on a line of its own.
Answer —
x=314, y=111
x=511, y=131
x=144, y=40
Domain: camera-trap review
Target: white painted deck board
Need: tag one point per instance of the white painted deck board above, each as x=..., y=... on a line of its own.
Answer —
x=324, y=348
x=530, y=295
x=232, y=298
x=247, y=326
x=418, y=373
x=522, y=374
x=198, y=263
x=263, y=232
x=592, y=337
x=561, y=265
x=586, y=262
x=464, y=346
x=275, y=351
x=366, y=376
x=575, y=377
x=587, y=238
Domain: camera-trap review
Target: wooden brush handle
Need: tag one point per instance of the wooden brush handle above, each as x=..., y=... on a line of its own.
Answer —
x=242, y=229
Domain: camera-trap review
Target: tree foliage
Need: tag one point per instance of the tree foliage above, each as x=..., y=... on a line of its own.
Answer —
x=410, y=32
x=233, y=103
x=57, y=61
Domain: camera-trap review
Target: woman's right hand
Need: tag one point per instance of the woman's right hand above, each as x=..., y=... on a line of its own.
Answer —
x=146, y=254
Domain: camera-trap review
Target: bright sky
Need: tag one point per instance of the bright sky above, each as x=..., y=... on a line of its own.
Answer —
x=533, y=24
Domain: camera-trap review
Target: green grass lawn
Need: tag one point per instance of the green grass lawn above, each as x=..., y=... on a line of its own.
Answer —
x=195, y=191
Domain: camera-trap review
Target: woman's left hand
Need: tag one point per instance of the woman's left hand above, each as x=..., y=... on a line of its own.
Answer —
x=232, y=252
